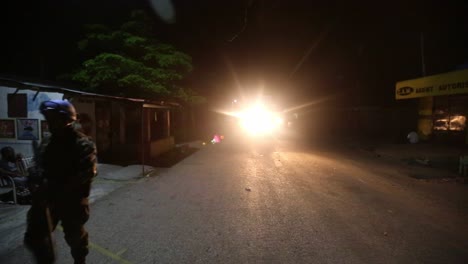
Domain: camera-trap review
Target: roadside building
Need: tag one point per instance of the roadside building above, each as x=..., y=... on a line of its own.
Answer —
x=126, y=130
x=443, y=105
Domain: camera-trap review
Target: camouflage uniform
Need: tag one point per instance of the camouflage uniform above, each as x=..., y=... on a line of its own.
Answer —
x=68, y=165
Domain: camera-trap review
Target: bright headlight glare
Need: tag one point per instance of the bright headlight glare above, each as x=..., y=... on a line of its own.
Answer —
x=258, y=120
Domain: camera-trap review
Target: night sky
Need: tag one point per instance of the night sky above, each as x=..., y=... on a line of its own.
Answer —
x=297, y=51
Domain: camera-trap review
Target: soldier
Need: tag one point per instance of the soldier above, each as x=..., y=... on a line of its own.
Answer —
x=67, y=161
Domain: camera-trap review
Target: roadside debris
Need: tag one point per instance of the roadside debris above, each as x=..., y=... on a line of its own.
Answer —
x=423, y=161
x=248, y=189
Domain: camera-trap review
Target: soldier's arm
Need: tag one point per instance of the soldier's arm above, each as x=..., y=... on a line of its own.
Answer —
x=39, y=150
x=87, y=161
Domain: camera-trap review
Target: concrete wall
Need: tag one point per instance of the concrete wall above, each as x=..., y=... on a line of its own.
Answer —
x=24, y=146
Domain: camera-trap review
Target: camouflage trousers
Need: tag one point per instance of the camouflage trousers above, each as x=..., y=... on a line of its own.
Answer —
x=43, y=218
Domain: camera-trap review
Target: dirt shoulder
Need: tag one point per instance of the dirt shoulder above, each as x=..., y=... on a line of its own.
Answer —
x=440, y=185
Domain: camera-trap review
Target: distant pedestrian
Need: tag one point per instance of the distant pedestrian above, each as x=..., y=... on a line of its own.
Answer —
x=413, y=137
x=67, y=161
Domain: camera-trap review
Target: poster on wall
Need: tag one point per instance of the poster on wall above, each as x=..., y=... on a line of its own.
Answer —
x=28, y=129
x=7, y=128
x=44, y=129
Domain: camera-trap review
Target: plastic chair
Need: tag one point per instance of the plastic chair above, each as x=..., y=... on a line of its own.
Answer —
x=8, y=182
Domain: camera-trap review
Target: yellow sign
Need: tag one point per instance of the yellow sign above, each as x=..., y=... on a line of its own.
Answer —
x=442, y=84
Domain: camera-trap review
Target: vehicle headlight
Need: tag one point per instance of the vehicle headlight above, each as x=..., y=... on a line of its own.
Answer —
x=258, y=120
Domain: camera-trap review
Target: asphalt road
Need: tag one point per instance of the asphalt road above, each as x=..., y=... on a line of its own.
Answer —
x=274, y=202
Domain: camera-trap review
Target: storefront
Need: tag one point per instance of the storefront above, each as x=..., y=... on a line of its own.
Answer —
x=125, y=130
x=443, y=105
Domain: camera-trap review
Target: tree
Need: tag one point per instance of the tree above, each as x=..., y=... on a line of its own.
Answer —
x=130, y=61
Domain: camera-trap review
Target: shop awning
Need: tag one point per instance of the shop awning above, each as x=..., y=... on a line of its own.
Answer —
x=441, y=84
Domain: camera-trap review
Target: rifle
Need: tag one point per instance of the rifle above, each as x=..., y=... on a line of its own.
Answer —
x=39, y=218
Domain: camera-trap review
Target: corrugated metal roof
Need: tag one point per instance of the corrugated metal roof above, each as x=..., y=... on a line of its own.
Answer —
x=45, y=87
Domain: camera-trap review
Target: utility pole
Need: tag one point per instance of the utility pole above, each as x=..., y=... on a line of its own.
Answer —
x=426, y=104
x=423, y=64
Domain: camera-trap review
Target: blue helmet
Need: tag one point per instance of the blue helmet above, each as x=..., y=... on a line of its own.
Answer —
x=62, y=107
